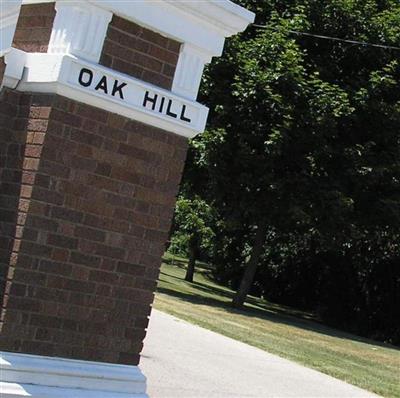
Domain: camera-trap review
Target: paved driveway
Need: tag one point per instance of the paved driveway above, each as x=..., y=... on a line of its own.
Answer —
x=182, y=360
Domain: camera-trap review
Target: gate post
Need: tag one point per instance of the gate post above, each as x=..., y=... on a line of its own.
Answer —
x=98, y=102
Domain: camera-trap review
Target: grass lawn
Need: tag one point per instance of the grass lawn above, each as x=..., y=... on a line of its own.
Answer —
x=279, y=330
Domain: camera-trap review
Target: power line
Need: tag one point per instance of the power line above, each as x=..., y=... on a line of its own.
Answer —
x=355, y=42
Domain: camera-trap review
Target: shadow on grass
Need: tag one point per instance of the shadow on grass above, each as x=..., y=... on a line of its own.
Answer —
x=219, y=291
x=275, y=314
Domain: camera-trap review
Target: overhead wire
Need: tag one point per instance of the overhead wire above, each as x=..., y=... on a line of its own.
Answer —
x=332, y=38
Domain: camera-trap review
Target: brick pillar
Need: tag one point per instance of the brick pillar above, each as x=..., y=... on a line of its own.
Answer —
x=93, y=143
x=93, y=197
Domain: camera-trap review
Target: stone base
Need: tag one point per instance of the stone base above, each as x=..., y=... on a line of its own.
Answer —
x=45, y=377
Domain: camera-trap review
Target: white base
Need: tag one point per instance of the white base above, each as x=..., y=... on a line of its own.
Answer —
x=45, y=377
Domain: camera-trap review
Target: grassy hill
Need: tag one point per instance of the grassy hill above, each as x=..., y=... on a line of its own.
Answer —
x=289, y=333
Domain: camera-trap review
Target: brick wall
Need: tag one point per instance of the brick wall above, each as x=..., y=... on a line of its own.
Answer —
x=93, y=200
x=139, y=52
x=34, y=27
x=12, y=145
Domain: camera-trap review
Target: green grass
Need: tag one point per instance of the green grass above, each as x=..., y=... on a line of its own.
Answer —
x=289, y=333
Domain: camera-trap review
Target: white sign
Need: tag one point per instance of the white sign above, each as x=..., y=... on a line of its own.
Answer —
x=114, y=92
x=136, y=95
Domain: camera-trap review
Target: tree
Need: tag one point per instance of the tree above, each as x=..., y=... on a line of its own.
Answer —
x=193, y=218
x=304, y=133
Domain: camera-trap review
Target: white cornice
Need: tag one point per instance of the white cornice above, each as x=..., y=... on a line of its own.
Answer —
x=15, y=62
x=229, y=17
x=189, y=71
x=204, y=24
x=79, y=29
x=38, y=377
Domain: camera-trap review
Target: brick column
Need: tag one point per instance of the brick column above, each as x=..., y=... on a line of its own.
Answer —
x=93, y=144
x=93, y=199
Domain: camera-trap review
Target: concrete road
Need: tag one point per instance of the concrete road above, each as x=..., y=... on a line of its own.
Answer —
x=182, y=360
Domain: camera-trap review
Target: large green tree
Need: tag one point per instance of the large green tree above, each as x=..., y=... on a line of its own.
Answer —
x=193, y=220
x=303, y=132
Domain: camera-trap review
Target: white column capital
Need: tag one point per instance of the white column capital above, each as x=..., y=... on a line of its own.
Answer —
x=79, y=29
x=189, y=71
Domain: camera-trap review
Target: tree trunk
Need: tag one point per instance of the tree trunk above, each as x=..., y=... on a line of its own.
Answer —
x=250, y=271
x=192, y=259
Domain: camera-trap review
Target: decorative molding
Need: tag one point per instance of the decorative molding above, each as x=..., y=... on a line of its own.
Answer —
x=35, y=376
x=115, y=92
x=189, y=71
x=224, y=15
x=79, y=29
x=9, y=13
x=204, y=24
x=15, y=62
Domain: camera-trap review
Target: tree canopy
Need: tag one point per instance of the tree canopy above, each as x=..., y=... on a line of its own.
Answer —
x=301, y=160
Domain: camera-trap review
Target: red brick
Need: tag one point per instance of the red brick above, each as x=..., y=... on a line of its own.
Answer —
x=90, y=234
x=41, y=223
x=155, y=38
x=34, y=27
x=47, y=196
x=66, y=118
x=147, y=62
x=77, y=261
x=26, y=191
x=33, y=151
x=63, y=213
x=31, y=164
x=130, y=269
x=35, y=249
x=168, y=70
x=140, y=52
x=80, y=273
x=60, y=255
x=87, y=138
x=103, y=277
x=62, y=241
x=126, y=26
x=46, y=9
x=92, y=113
x=109, y=251
x=127, y=67
x=164, y=55
x=157, y=79
x=85, y=259
x=174, y=46
x=54, y=267
x=39, y=112
x=103, y=169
